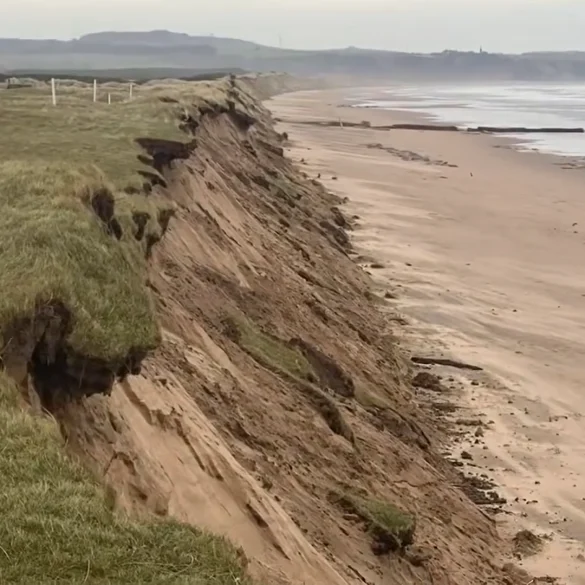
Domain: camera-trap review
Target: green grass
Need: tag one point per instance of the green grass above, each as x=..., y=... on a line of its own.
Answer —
x=269, y=350
x=390, y=527
x=289, y=363
x=81, y=132
x=54, y=248
x=57, y=526
x=389, y=518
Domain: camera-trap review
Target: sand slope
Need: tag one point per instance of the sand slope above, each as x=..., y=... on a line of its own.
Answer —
x=227, y=439
x=484, y=252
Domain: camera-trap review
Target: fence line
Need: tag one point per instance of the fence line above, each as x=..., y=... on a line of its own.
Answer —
x=56, y=87
x=55, y=84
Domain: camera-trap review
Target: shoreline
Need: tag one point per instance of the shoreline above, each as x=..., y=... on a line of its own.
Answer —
x=520, y=142
x=483, y=259
x=436, y=110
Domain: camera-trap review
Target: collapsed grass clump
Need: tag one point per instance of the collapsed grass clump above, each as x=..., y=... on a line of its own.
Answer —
x=57, y=526
x=391, y=528
x=268, y=350
x=288, y=361
x=527, y=543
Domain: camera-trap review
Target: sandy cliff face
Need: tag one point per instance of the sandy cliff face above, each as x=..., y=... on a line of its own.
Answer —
x=278, y=385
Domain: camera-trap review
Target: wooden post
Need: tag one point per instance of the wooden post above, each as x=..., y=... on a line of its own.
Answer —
x=95, y=90
x=109, y=99
x=53, y=92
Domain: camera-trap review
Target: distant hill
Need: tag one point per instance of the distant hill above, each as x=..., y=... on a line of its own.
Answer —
x=167, y=39
x=160, y=49
x=138, y=75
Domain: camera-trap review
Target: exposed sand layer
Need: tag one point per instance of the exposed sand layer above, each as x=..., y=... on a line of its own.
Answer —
x=279, y=387
x=483, y=249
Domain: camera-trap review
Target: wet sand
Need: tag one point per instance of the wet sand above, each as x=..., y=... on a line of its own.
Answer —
x=484, y=249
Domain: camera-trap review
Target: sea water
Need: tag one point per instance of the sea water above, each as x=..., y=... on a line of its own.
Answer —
x=511, y=104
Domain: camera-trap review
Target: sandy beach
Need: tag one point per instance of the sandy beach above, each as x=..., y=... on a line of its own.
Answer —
x=482, y=248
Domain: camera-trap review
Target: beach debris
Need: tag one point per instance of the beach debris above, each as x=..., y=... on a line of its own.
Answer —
x=409, y=155
x=524, y=130
x=448, y=128
x=481, y=492
x=469, y=422
x=444, y=362
x=418, y=556
x=428, y=381
x=526, y=543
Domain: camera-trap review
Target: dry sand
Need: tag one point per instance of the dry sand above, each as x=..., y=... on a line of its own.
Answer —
x=486, y=259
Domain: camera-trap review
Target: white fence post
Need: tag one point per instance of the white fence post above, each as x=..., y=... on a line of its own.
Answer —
x=109, y=99
x=53, y=91
x=95, y=90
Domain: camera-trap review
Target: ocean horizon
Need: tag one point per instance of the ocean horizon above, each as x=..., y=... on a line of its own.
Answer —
x=513, y=104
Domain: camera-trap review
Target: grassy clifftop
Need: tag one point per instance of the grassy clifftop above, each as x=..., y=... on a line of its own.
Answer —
x=78, y=217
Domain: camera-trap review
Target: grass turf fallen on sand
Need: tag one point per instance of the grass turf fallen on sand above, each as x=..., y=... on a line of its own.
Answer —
x=57, y=526
x=390, y=527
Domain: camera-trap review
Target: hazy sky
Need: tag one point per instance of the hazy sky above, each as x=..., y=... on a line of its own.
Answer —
x=409, y=25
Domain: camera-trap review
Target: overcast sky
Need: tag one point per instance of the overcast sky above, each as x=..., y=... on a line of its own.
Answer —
x=409, y=25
